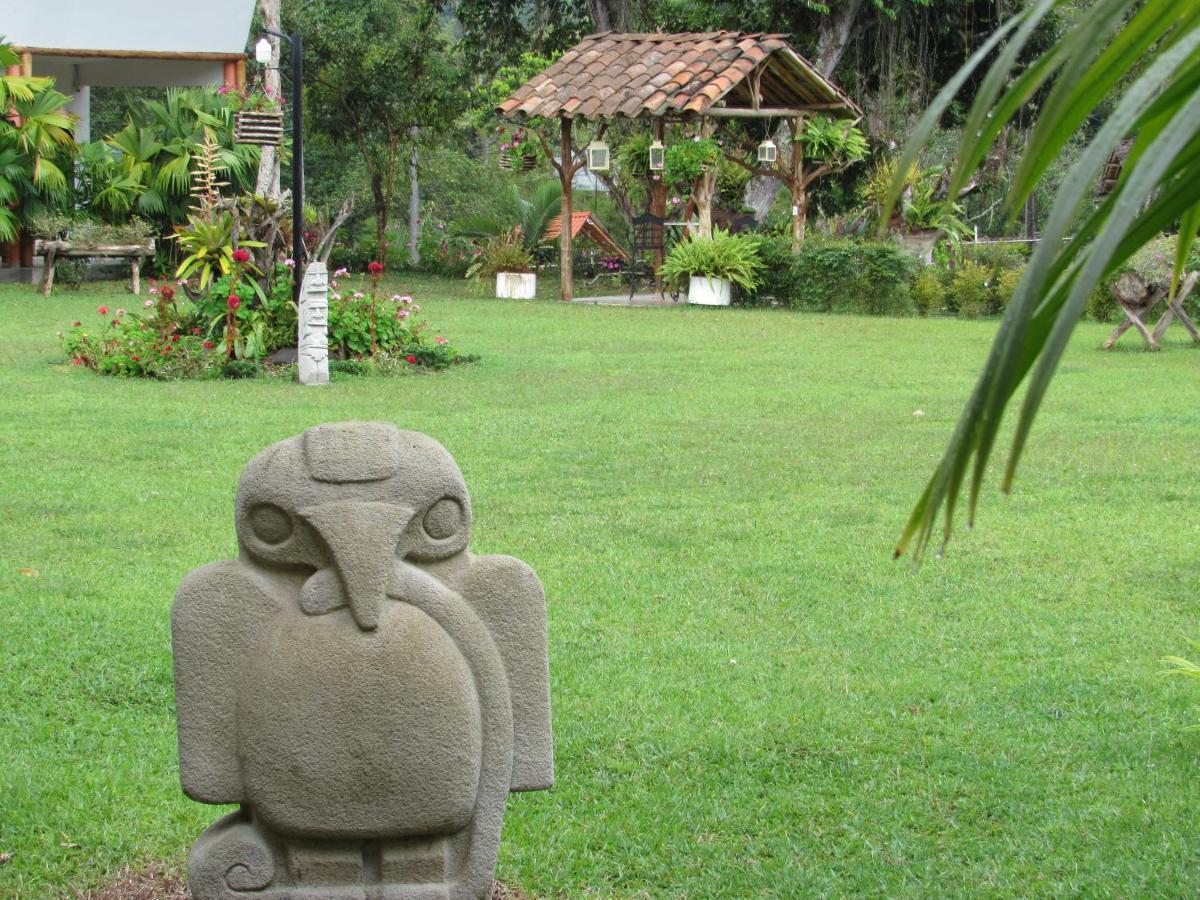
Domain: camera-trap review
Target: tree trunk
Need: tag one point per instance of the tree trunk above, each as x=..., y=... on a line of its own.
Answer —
x=796, y=185
x=834, y=36
x=414, y=201
x=267, y=184
x=610, y=15
x=381, y=214
x=705, y=188
x=566, y=262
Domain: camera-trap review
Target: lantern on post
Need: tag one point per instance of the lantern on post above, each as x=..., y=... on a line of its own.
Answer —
x=658, y=156
x=767, y=151
x=597, y=156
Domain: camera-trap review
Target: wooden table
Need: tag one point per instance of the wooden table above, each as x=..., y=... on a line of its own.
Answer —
x=53, y=250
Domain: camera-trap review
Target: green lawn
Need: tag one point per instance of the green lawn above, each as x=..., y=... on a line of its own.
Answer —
x=750, y=697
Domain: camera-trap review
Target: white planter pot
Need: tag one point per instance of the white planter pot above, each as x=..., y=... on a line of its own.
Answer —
x=709, y=291
x=516, y=285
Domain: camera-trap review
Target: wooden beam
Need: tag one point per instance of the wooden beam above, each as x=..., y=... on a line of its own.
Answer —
x=130, y=54
x=725, y=112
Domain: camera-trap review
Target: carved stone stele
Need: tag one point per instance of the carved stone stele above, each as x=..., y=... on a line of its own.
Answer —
x=366, y=688
x=312, y=349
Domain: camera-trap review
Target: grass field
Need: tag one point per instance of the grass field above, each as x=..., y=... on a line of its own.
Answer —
x=750, y=697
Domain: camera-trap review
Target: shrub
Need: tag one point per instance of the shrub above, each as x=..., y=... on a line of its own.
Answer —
x=777, y=284
x=972, y=290
x=1006, y=286
x=733, y=257
x=1102, y=305
x=841, y=275
x=928, y=292
x=124, y=343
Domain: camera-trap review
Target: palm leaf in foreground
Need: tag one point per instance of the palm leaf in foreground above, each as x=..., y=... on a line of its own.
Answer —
x=1156, y=46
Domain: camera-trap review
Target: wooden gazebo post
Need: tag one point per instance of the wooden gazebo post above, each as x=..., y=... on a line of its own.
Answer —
x=566, y=174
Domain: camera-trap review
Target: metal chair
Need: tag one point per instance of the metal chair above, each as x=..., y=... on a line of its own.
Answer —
x=648, y=246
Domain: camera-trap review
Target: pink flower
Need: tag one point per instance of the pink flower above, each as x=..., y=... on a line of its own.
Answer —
x=358, y=295
x=342, y=271
x=402, y=314
x=337, y=296
x=148, y=304
x=406, y=299
x=440, y=340
x=290, y=263
x=153, y=292
x=103, y=310
x=119, y=313
x=233, y=301
x=77, y=361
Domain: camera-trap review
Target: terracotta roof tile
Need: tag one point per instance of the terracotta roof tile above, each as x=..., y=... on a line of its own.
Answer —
x=619, y=74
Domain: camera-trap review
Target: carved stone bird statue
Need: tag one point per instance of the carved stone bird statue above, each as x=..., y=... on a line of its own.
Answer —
x=366, y=688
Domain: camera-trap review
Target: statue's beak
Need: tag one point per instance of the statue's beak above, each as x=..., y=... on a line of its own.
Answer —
x=361, y=537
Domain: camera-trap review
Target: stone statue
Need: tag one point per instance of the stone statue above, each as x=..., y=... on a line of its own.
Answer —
x=362, y=684
x=313, y=340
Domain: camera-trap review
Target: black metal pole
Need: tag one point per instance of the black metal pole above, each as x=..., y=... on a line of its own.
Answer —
x=297, y=164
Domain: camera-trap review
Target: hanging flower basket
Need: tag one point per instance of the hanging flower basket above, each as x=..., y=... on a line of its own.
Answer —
x=510, y=162
x=263, y=127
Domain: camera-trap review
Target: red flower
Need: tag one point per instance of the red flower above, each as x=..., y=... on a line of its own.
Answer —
x=411, y=359
x=375, y=268
x=234, y=301
x=240, y=255
x=77, y=361
x=167, y=292
x=174, y=339
x=76, y=324
x=136, y=358
x=208, y=345
x=103, y=310
x=195, y=331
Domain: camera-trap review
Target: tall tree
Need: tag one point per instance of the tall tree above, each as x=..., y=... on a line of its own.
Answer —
x=267, y=183
x=375, y=71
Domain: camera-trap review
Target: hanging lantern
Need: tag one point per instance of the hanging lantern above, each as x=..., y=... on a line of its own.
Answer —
x=597, y=156
x=767, y=151
x=658, y=156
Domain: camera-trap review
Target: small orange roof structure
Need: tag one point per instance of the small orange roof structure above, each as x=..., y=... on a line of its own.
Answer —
x=583, y=222
x=637, y=75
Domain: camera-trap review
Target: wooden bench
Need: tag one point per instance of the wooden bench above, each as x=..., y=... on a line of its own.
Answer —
x=52, y=251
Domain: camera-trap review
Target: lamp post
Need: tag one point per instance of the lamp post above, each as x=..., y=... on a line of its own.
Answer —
x=262, y=53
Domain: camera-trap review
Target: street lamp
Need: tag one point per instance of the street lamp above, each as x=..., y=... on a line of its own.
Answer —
x=262, y=53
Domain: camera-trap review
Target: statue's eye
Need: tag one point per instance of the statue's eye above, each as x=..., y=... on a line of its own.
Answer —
x=443, y=519
x=270, y=523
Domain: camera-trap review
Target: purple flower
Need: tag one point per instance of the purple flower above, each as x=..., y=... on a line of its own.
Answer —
x=290, y=263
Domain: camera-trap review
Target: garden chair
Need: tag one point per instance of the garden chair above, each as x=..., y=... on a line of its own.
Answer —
x=647, y=252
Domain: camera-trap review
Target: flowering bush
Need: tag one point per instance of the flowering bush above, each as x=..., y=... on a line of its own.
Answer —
x=125, y=343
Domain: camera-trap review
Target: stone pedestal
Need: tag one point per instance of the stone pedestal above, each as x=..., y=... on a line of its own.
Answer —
x=366, y=688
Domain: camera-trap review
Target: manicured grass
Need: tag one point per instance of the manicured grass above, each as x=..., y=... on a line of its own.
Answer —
x=750, y=697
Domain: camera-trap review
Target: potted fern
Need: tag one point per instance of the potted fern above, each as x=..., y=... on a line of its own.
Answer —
x=506, y=257
x=711, y=266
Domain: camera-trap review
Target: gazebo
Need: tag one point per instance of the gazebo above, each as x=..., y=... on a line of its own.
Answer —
x=665, y=78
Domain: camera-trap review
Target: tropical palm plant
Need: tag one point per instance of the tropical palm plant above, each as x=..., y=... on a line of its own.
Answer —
x=529, y=215
x=1153, y=47
x=34, y=143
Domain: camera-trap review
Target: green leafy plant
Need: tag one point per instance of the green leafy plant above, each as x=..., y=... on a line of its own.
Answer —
x=505, y=253
x=685, y=161
x=527, y=216
x=1150, y=50
x=733, y=257
x=928, y=292
x=846, y=275
x=252, y=98
x=1179, y=667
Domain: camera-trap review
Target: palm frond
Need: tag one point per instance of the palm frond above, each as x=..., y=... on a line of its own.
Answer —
x=1158, y=50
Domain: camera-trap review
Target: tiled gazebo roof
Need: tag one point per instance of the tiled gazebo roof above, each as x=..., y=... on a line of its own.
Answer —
x=635, y=75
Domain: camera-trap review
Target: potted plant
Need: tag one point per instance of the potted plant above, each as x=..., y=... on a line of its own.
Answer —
x=511, y=262
x=520, y=152
x=713, y=265
x=258, y=114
